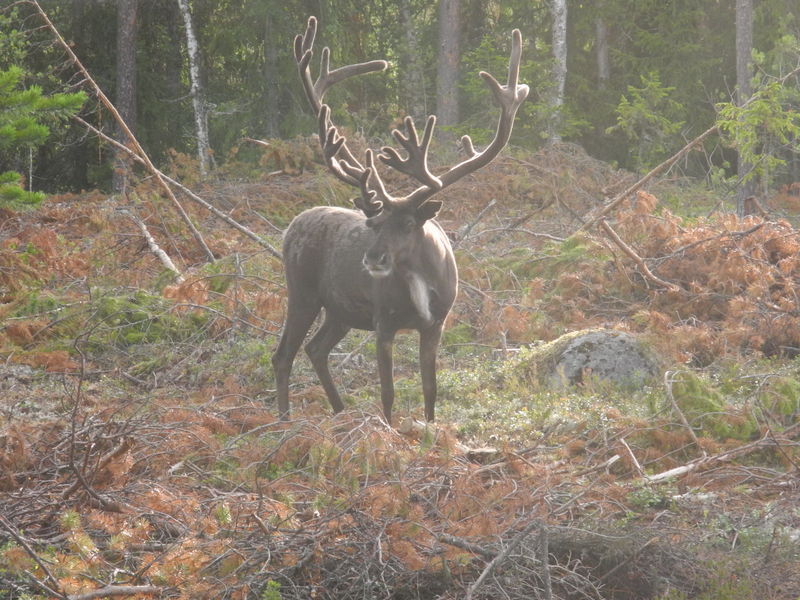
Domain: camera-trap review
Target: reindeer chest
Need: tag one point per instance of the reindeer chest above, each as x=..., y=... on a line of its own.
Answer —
x=407, y=302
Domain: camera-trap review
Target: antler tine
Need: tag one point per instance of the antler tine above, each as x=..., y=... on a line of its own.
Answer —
x=305, y=41
x=467, y=146
x=509, y=97
x=303, y=52
x=373, y=193
x=416, y=164
x=331, y=142
x=328, y=78
x=347, y=168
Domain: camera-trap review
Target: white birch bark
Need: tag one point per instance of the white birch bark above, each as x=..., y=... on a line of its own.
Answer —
x=196, y=90
x=559, y=12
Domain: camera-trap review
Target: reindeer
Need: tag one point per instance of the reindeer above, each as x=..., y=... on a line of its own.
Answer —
x=388, y=265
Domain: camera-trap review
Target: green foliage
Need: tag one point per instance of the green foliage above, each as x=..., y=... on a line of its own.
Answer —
x=781, y=398
x=26, y=118
x=706, y=409
x=647, y=496
x=70, y=521
x=142, y=318
x=648, y=117
x=222, y=514
x=271, y=590
x=766, y=123
x=12, y=194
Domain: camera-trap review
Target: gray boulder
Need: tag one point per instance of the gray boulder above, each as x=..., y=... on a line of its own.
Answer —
x=593, y=354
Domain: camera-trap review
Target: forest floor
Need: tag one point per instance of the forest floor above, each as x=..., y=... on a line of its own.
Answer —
x=140, y=454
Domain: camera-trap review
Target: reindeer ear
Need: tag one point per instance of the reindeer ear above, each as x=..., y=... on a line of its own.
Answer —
x=428, y=210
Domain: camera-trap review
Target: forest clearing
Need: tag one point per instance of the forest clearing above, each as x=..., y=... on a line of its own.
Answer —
x=142, y=453
x=141, y=441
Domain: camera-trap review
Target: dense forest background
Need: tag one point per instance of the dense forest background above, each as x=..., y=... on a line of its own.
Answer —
x=642, y=78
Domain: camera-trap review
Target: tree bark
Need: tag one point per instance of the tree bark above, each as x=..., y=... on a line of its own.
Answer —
x=603, y=61
x=414, y=82
x=744, y=72
x=447, y=109
x=196, y=90
x=127, y=26
x=559, y=12
x=173, y=66
x=271, y=78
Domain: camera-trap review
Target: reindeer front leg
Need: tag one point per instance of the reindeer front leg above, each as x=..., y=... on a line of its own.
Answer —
x=385, y=370
x=428, y=346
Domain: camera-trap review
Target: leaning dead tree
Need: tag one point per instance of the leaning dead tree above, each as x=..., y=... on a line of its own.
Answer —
x=132, y=140
x=136, y=152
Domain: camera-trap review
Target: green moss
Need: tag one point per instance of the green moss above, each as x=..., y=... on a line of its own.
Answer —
x=781, y=397
x=141, y=318
x=706, y=409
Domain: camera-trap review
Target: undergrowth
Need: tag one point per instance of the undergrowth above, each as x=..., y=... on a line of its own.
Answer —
x=139, y=443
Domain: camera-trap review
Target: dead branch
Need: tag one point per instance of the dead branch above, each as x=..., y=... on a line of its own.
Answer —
x=125, y=129
x=155, y=248
x=192, y=196
x=12, y=531
x=732, y=234
x=502, y=556
x=121, y=448
x=668, y=388
x=769, y=440
x=118, y=590
x=466, y=229
x=458, y=542
x=634, y=460
x=261, y=143
x=636, y=258
x=544, y=553
x=619, y=198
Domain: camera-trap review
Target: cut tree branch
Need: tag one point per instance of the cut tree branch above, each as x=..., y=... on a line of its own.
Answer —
x=636, y=258
x=619, y=198
x=192, y=196
x=145, y=159
x=118, y=590
x=155, y=248
x=502, y=556
x=12, y=531
x=769, y=440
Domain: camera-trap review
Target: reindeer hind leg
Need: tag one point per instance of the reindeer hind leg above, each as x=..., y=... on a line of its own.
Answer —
x=299, y=318
x=319, y=348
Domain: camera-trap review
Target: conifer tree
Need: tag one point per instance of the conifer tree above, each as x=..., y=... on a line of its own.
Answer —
x=26, y=116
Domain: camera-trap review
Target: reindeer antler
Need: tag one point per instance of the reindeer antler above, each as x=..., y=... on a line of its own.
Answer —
x=346, y=168
x=344, y=165
x=509, y=97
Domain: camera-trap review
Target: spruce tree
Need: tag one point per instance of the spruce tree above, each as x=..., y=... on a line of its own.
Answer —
x=26, y=118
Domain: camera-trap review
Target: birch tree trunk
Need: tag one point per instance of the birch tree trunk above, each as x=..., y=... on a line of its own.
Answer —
x=125, y=97
x=559, y=12
x=744, y=72
x=447, y=68
x=196, y=90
